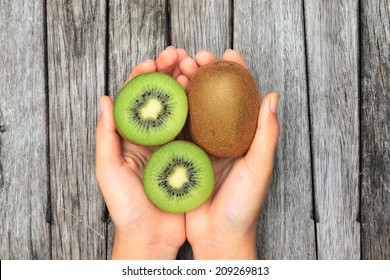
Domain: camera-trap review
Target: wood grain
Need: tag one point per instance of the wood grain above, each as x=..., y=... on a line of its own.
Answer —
x=76, y=37
x=274, y=49
x=137, y=31
x=332, y=46
x=201, y=24
x=375, y=125
x=24, y=233
x=51, y=80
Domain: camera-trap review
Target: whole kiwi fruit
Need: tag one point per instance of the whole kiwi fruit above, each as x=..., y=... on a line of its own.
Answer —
x=223, y=108
x=151, y=109
x=178, y=177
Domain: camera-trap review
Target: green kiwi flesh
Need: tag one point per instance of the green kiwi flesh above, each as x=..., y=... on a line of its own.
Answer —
x=151, y=109
x=223, y=108
x=178, y=177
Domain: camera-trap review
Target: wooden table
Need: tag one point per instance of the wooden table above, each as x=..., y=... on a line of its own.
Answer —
x=329, y=60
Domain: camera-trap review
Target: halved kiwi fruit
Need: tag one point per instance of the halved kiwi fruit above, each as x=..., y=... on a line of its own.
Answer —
x=178, y=177
x=151, y=109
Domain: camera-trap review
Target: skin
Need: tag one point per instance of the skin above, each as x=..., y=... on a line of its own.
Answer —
x=224, y=227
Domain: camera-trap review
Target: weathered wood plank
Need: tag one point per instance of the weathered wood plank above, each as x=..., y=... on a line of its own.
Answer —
x=137, y=31
x=332, y=46
x=270, y=35
x=76, y=70
x=375, y=125
x=201, y=24
x=24, y=233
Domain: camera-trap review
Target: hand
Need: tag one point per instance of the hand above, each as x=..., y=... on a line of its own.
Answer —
x=224, y=227
x=142, y=231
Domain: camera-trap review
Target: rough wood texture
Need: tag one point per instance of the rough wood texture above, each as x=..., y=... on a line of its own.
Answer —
x=275, y=51
x=24, y=233
x=76, y=70
x=48, y=119
x=332, y=46
x=201, y=24
x=375, y=125
x=137, y=31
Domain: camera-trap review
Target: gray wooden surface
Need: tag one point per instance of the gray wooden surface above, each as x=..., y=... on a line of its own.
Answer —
x=24, y=139
x=375, y=129
x=76, y=54
x=332, y=64
x=329, y=61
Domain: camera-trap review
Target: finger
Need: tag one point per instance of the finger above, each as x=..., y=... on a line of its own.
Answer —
x=167, y=60
x=260, y=156
x=203, y=57
x=183, y=81
x=182, y=53
x=235, y=56
x=142, y=68
x=188, y=67
x=108, y=141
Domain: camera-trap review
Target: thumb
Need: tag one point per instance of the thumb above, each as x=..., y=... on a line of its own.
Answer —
x=260, y=157
x=108, y=141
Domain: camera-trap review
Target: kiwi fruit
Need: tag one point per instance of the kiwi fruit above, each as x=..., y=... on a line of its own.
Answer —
x=223, y=108
x=178, y=177
x=151, y=109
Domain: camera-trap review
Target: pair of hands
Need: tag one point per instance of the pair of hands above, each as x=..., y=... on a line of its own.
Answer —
x=224, y=227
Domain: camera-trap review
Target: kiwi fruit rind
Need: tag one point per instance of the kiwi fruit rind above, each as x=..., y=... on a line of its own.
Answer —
x=151, y=109
x=223, y=108
x=178, y=177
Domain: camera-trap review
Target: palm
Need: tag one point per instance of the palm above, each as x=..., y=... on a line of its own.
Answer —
x=229, y=206
x=133, y=210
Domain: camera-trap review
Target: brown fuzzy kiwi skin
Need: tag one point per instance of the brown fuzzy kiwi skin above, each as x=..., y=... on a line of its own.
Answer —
x=224, y=105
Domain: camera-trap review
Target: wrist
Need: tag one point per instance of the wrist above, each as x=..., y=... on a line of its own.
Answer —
x=242, y=249
x=133, y=249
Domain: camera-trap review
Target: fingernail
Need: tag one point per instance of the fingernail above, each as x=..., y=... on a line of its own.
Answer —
x=274, y=103
x=170, y=47
x=101, y=104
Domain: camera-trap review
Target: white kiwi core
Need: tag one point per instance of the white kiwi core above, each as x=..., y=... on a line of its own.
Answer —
x=178, y=177
x=151, y=110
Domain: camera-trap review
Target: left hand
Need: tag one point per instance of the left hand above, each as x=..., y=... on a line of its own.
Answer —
x=142, y=231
